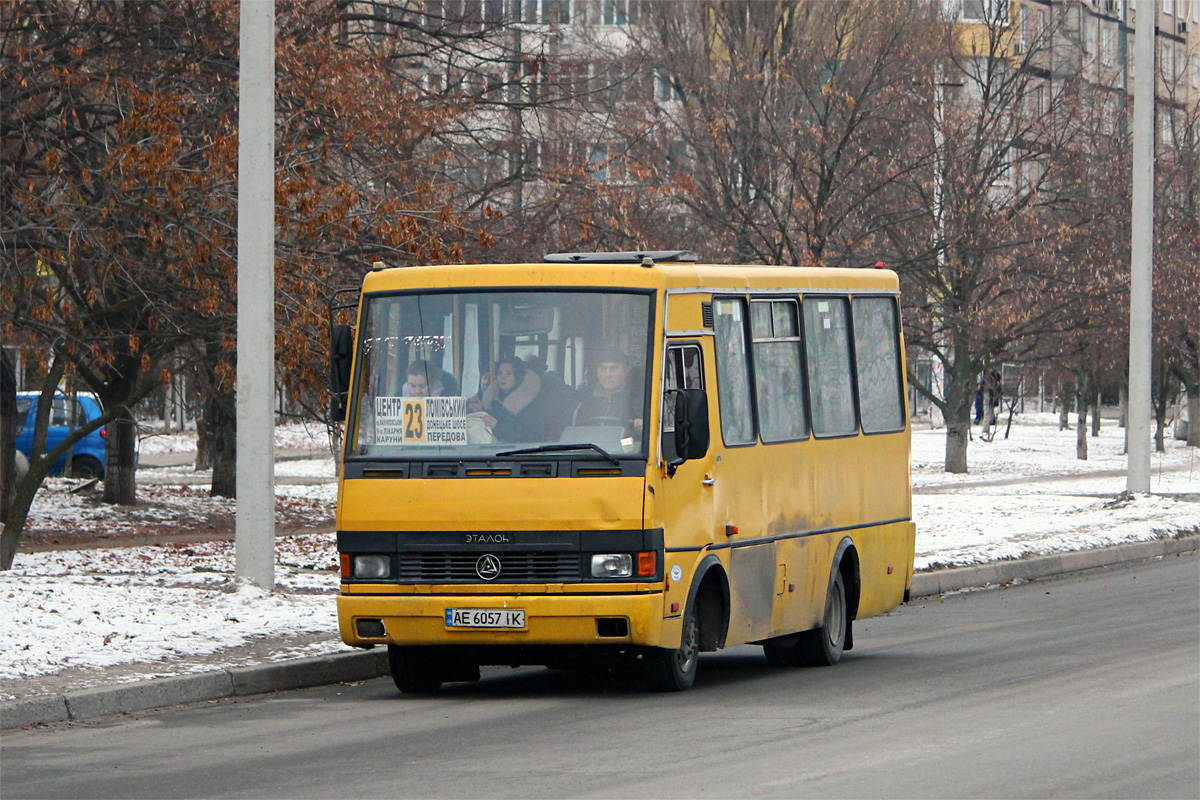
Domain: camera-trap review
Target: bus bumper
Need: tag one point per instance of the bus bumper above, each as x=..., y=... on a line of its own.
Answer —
x=549, y=619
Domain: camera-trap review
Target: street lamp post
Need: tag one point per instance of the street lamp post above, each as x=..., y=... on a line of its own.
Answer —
x=255, y=523
x=1141, y=272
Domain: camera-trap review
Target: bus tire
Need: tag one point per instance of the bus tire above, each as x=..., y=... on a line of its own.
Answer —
x=414, y=671
x=669, y=670
x=823, y=646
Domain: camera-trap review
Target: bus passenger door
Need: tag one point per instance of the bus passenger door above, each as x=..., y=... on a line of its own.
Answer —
x=685, y=498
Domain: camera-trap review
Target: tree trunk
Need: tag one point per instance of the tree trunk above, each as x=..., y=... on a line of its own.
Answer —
x=1095, y=407
x=1160, y=402
x=1160, y=423
x=1064, y=406
x=203, y=455
x=960, y=396
x=18, y=513
x=120, y=457
x=956, y=446
x=1191, y=388
x=1193, y=432
x=8, y=432
x=220, y=419
x=120, y=480
x=1081, y=406
x=1124, y=404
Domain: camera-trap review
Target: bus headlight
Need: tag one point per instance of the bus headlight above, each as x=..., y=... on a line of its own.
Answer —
x=371, y=566
x=612, y=565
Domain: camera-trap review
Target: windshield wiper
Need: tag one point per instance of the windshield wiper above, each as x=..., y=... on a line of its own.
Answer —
x=556, y=448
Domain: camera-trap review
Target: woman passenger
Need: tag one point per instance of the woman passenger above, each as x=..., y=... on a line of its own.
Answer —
x=510, y=403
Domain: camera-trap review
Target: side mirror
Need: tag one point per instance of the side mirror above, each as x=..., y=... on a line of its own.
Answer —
x=341, y=353
x=691, y=426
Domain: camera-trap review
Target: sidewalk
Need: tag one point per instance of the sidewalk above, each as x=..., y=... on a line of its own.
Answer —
x=264, y=665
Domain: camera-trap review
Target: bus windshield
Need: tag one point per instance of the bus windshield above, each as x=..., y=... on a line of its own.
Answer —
x=473, y=374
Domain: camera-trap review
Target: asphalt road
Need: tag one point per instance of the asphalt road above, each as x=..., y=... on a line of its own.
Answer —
x=1082, y=686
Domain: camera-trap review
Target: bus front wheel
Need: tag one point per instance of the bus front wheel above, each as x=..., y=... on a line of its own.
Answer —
x=670, y=670
x=413, y=671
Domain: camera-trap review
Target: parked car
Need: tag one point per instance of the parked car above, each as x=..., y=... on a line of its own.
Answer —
x=88, y=452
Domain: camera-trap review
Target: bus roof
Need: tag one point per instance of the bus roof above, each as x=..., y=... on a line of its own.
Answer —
x=630, y=274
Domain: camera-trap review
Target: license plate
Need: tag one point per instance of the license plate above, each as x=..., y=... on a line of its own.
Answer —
x=485, y=618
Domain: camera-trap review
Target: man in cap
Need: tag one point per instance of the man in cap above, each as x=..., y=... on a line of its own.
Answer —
x=612, y=400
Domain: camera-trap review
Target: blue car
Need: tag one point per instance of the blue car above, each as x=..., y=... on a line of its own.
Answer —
x=88, y=453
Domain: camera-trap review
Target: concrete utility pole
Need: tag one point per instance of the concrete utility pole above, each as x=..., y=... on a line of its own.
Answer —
x=255, y=526
x=1141, y=268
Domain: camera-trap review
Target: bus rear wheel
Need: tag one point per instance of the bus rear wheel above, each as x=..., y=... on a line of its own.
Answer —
x=670, y=670
x=823, y=646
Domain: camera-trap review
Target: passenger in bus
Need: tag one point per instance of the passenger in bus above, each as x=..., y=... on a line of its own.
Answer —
x=612, y=400
x=426, y=380
x=510, y=403
x=475, y=401
x=556, y=398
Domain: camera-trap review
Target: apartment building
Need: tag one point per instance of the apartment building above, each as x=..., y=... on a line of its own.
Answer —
x=545, y=79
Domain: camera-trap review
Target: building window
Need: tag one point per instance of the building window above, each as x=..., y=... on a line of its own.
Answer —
x=493, y=13
x=666, y=88
x=614, y=12
x=989, y=11
x=1166, y=127
x=598, y=163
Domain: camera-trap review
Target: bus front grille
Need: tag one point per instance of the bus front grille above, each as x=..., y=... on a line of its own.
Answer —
x=515, y=567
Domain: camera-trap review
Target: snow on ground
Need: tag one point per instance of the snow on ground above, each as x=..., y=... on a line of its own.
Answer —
x=98, y=608
x=95, y=608
x=292, y=435
x=1029, y=495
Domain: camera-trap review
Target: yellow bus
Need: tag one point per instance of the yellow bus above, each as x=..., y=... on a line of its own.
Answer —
x=621, y=459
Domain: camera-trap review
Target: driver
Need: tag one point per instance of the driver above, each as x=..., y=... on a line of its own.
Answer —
x=612, y=400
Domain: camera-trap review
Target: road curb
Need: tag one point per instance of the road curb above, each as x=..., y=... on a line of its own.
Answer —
x=941, y=581
x=215, y=685
x=365, y=665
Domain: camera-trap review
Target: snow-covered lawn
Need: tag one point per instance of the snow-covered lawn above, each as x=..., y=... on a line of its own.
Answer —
x=1030, y=495
x=99, y=607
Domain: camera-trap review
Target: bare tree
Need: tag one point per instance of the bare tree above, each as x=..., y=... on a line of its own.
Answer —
x=973, y=260
x=779, y=126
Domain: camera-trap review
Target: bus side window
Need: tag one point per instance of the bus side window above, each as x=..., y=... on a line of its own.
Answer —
x=777, y=370
x=827, y=351
x=733, y=371
x=685, y=370
x=877, y=361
